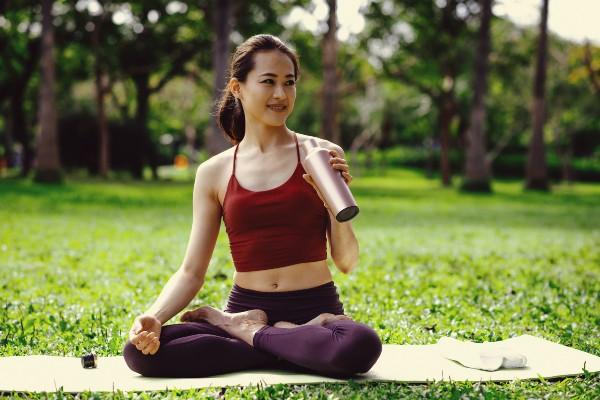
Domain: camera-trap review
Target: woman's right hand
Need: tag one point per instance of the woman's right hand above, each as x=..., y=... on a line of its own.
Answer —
x=145, y=333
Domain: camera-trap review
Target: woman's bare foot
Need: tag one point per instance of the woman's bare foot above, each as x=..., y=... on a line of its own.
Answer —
x=318, y=320
x=242, y=325
x=284, y=324
x=217, y=317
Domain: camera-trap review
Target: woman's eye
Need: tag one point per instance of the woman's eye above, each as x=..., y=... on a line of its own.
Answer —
x=289, y=83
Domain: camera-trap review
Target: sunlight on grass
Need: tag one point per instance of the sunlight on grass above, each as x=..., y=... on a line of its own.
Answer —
x=79, y=261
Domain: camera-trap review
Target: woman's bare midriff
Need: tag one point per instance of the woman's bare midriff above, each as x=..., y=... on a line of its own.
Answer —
x=285, y=279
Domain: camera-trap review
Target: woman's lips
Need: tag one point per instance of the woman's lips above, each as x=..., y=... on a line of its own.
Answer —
x=277, y=108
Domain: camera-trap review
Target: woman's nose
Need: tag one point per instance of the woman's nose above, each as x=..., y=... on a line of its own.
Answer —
x=279, y=92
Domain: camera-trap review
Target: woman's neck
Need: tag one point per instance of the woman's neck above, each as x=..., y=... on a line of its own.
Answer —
x=264, y=138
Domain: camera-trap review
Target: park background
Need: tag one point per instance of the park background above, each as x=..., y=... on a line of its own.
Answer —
x=474, y=143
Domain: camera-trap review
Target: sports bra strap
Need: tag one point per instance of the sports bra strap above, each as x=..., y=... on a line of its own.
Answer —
x=237, y=145
x=234, y=157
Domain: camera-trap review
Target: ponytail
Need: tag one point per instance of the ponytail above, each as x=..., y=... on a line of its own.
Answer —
x=230, y=117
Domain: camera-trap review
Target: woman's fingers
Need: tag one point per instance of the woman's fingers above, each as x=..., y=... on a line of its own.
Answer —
x=341, y=165
x=347, y=177
x=151, y=347
x=142, y=340
x=137, y=338
x=155, y=347
x=149, y=344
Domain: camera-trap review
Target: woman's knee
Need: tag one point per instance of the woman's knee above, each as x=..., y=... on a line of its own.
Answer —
x=358, y=350
x=137, y=361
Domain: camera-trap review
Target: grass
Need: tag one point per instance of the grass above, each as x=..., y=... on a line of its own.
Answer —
x=78, y=262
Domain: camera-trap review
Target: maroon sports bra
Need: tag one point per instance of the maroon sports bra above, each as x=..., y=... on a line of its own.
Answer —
x=276, y=227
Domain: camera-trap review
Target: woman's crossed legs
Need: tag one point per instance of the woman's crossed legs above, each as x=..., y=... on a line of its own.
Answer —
x=330, y=345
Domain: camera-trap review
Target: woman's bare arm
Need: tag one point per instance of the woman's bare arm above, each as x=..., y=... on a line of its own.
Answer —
x=343, y=244
x=185, y=283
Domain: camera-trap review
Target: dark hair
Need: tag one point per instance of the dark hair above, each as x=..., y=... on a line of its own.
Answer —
x=229, y=112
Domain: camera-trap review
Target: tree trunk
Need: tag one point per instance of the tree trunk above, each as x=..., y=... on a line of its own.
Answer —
x=536, y=173
x=104, y=144
x=566, y=157
x=47, y=157
x=329, y=126
x=216, y=141
x=386, y=129
x=477, y=176
x=142, y=85
x=20, y=131
x=446, y=114
x=101, y=90
x=9, y=154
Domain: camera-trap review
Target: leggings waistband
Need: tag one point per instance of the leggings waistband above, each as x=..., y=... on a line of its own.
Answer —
x=326, y=288
x=294, y=306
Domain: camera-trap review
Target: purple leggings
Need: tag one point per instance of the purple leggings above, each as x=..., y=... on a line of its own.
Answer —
x=198, y=349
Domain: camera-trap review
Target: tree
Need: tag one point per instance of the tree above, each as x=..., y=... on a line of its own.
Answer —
x=47, y=158
x=152, y=53
x=221, y=25
x=536, y=172
x=20, y=54
x=103, y=87
x=329, y=126
x=427, y=47
x=477, y=177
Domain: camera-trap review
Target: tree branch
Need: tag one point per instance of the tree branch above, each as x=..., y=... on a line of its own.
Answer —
x=410, y=81
x=587, y=59
x=176, y=68
x=502, y=143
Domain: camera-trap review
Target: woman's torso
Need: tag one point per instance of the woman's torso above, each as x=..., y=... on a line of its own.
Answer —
x=251, y=175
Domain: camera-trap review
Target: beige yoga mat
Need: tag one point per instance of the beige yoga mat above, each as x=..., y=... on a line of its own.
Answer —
x=403, y=363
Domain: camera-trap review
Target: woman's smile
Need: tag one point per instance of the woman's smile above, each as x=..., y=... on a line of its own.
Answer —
x=277, y=108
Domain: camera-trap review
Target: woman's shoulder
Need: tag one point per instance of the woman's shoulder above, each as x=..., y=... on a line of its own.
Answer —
x=216, y=162
x=216, y=167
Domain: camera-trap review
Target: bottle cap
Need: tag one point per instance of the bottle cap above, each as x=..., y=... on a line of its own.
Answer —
x=310, y=144
x=89, y=360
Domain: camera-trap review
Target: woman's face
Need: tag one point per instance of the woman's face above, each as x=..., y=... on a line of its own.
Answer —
x=269, y=92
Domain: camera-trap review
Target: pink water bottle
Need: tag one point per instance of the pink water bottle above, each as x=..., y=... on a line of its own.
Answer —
x=330, y=181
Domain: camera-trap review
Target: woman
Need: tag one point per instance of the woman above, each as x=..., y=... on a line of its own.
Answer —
x=283, y=310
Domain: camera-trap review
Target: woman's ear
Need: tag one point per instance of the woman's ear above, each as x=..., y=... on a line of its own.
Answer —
x=234, y=87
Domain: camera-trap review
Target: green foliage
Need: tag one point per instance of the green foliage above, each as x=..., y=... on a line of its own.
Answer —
x=414, y=38
x=434, y=262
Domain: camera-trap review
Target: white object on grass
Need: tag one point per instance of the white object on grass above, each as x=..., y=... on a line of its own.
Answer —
x=487, y=356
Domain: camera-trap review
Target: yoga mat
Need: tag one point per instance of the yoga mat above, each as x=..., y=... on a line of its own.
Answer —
x=402, y=363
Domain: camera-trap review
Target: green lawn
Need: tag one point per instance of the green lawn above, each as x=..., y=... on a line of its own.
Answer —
x=80, y=261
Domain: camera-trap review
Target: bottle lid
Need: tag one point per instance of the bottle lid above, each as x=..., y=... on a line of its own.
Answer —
x=310, y=144
x=89, y=360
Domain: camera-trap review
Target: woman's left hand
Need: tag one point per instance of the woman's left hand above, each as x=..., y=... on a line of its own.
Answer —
x=340, y=164
x=337, y=163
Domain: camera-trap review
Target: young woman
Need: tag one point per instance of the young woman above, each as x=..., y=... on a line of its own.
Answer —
x=283, y=310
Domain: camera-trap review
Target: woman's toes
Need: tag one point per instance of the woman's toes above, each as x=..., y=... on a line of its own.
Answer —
x=343, y=317
x=336, y=318
x=284, y=324
x=258, y=315
x=319, y=319
x=204, y=313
